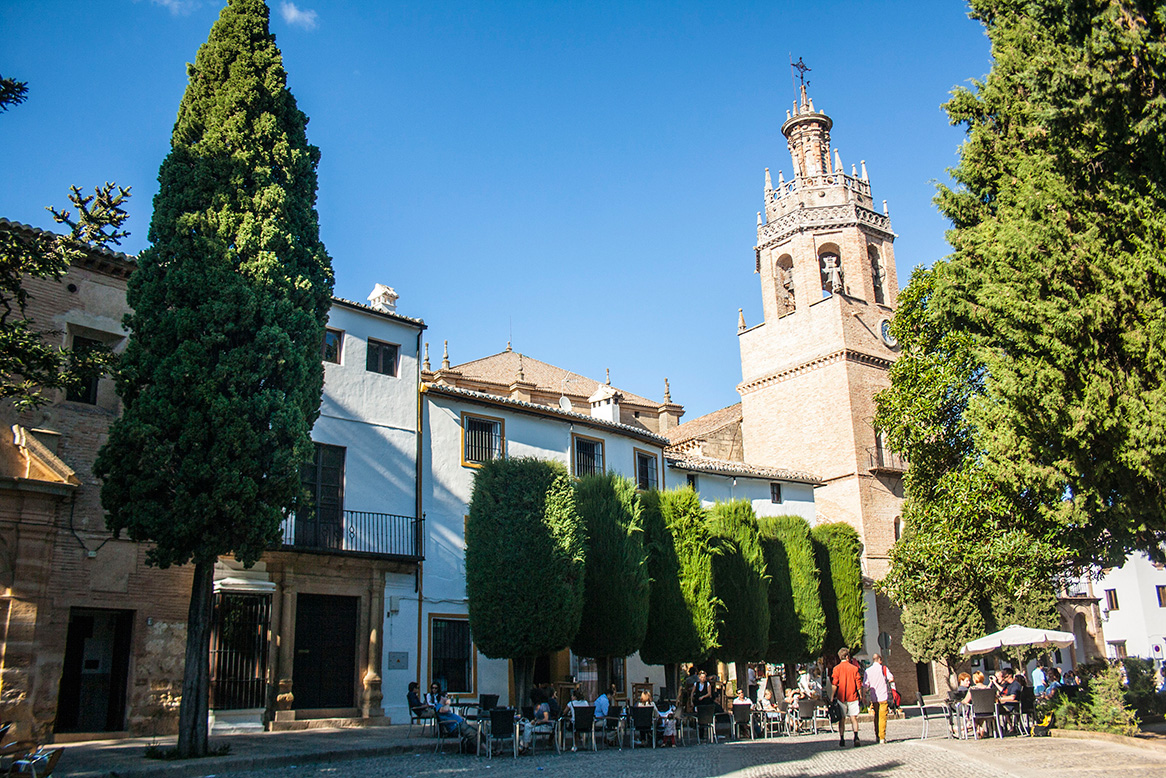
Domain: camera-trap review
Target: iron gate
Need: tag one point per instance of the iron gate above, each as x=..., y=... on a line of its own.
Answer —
x=239, y=642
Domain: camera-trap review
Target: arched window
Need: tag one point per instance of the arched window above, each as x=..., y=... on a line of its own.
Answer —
x=830, y=263
x=877, y=275
x=783, y=275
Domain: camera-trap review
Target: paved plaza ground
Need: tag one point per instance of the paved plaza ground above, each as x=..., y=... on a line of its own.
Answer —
x=809, y=755
x=819, y=755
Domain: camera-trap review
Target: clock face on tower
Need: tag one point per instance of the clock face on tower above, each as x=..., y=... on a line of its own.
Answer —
x=885, y=331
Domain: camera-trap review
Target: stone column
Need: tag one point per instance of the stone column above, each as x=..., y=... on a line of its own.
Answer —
x=287, y=653
x=371, y=699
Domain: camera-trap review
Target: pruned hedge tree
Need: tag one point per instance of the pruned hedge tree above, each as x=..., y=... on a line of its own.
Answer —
x=616, y=584
x=740, y=582
x=797, y=624
x=682, y=607
x=838, y=553
x=525, y=560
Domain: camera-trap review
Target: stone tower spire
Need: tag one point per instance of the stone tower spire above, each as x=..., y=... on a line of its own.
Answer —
x=811, y=367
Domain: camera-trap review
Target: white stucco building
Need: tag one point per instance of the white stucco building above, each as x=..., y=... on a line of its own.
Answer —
x=1133, y=608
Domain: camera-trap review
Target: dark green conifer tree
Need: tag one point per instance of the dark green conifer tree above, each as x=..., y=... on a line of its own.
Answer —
x=525, y=552
x=682, y=608
x=1059, y=266
x=740, y=582
x=838, y=553
x=616, y=588
x=221, y=379
x=797, y=624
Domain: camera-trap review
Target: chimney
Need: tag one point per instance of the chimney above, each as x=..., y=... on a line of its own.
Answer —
x=383, y=298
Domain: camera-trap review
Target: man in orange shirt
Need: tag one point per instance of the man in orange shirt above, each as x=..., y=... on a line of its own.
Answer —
x=847, y=690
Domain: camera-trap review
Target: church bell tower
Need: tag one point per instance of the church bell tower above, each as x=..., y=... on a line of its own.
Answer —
x=811, y=369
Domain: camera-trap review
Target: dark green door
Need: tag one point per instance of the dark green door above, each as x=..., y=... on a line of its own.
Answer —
x=324, y=671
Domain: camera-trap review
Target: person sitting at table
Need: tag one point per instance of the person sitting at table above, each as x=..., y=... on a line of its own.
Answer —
x=963, y=683
x=603, y=705
x=1055, y=684
x=978, y=682
x=447, y=719
x=768, y=707
x=414, y=698
x=577, y=701
x=542, y=721
x=809, y=687
x=742, y=699
x=433, y=697
x=1010, y=699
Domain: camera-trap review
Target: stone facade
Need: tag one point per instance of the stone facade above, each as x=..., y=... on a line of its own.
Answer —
x=61, y=568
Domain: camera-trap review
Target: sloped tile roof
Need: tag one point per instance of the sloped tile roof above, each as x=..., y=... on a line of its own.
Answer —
x=419, y=323
x=545, y=410
x=705, y=425
x=725, y=467
x=501, y=369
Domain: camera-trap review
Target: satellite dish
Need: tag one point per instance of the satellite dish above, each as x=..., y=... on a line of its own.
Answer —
x=564, y=403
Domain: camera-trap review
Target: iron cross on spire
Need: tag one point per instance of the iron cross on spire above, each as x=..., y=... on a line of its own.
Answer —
x=802, y=69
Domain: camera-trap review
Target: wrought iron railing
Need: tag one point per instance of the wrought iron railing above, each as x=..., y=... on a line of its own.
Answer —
x=881, y=458
x=356, y=532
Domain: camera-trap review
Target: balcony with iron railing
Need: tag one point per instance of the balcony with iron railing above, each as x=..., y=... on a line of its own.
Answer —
x=362, y=533
x=882, y=460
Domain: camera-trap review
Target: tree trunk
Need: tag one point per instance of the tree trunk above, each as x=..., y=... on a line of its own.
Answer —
x=672, y=678
x=523, y=680
x=192, y=713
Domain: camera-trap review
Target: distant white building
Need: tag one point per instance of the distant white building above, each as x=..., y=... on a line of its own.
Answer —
x=1133, y=608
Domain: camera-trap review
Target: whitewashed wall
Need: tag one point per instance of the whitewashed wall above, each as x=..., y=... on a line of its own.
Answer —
x=1139, y=620
x=797, y=499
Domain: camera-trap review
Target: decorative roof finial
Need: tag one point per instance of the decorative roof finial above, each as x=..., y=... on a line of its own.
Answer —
x=445, y=357
x=780, y=178
x=425, y=364
x=667, y=393
x=608, y=381
x=740, y=319
x=759, y=222
x=768, y=181
x=853, y=171
x=864, y=178
x=886, y=211
x=838, y=163
x=521, y=375
x=508, y=349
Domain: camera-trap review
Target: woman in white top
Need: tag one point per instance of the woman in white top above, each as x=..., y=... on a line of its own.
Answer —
x=577, y=701
x=809, y=687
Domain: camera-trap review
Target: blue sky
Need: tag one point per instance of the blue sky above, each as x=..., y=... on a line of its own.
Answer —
x=581, y=176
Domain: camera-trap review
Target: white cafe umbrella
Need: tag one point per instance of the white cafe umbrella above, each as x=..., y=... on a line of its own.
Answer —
x=1018, y=636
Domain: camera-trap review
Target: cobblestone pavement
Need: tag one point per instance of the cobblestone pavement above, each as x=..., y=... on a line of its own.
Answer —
x=904, y=757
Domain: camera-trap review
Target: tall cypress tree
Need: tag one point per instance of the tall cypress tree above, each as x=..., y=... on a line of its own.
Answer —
x=838, y=553
x=797, y=624
x=682, y=609
x=221, y=379
x=616, y=586
x=741, y=582
x=525, y=554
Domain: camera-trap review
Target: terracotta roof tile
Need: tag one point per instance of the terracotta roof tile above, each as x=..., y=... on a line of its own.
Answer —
x=545, y=410
x=724, y=467
x=705, y=425
x=501, y=368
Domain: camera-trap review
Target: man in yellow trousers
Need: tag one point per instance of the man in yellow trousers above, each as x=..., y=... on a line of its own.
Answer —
x=878, y=680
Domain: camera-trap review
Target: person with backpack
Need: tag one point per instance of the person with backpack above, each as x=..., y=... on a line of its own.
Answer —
x=847, y=680
x=878, y=682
